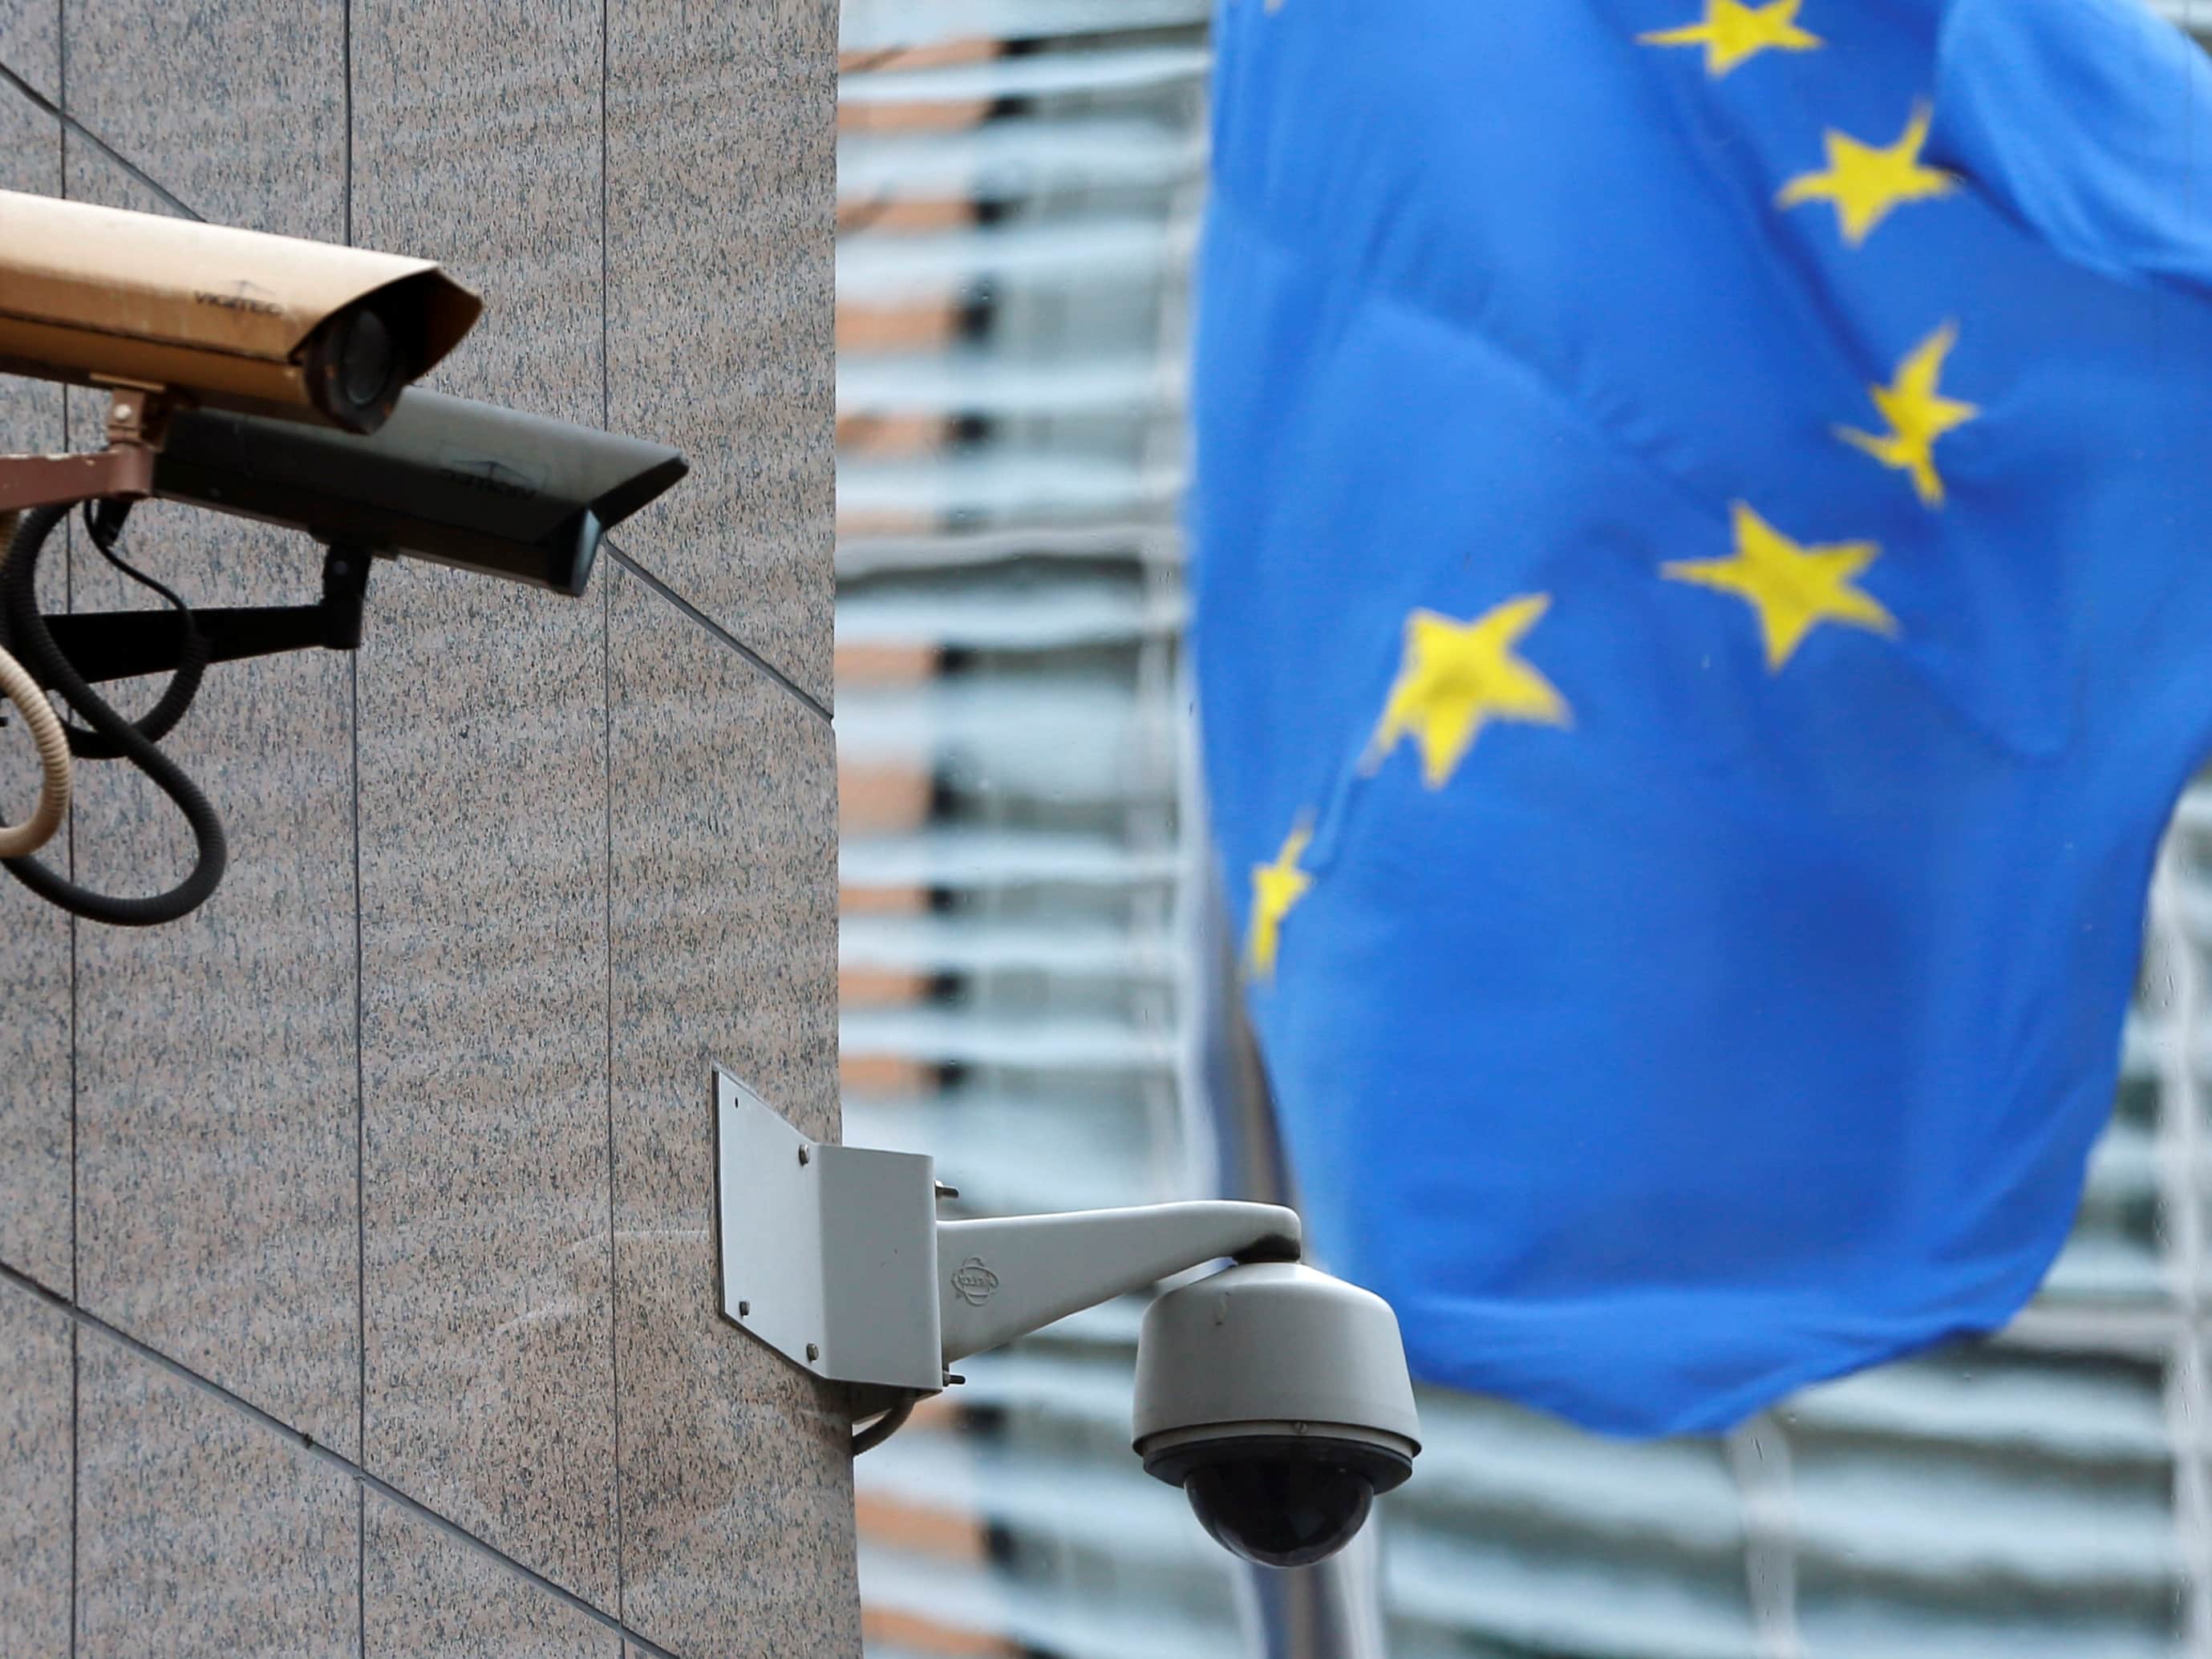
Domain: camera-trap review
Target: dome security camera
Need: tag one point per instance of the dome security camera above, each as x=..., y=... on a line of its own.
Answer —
x=1275, y=1397
x=1278, y=1399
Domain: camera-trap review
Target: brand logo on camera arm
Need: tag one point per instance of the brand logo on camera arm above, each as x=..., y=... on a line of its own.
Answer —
x=974, y=1282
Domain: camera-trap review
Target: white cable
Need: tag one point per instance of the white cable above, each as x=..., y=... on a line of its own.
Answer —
x=21, y=839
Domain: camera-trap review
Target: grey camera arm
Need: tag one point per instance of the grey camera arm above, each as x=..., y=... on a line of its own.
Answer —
x=1007, y=1276
x=834, y=1256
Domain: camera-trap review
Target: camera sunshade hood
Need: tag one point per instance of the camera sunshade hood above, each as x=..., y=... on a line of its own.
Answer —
x=220, y=317
x=466, y=483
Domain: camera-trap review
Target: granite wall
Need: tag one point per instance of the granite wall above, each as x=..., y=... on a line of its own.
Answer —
x=355, y=1286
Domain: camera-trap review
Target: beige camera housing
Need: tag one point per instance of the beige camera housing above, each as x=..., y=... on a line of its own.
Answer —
x=227, y=318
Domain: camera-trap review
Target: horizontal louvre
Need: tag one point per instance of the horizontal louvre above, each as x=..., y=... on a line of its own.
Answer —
x=1091, y=73
x=873, y=26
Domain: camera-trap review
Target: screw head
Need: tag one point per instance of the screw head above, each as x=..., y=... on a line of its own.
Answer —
x=803, y=1155
x=813, y=1351
x=744, y=1308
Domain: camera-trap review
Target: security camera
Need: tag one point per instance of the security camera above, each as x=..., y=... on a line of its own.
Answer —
x=206, y=315
x=1276, y=1397
x=489, y=489
x=259, y=375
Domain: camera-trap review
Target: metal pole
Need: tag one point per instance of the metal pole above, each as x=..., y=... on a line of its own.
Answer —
x=1333, y=1610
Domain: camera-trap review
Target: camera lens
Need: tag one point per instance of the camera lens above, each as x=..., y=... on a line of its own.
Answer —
x=366, y=361
x=356, y=364
x=1285, y=1511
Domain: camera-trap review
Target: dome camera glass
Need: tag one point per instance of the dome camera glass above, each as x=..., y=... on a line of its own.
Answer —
x=1280, y=1511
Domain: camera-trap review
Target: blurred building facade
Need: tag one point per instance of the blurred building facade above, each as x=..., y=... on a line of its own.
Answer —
x=1024, y=970
x=1017, y=189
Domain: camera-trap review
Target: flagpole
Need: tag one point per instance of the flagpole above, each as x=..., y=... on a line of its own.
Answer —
x=1333, y=1609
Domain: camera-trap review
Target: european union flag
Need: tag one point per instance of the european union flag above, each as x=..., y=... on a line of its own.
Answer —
x=1704, y=515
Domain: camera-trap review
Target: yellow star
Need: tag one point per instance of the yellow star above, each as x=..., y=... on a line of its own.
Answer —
x=1793, y=589
x=1456, y=676
x=1918, y=413
x=1866, y=184
x=1275, y=888
x=1734, y=33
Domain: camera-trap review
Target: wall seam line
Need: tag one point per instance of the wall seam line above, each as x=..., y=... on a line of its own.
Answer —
x=309, y=1446
x=71, y=124
x=76, y=1396
x=360, y=1024
x=607, y=772
x=760, y=664
x=69, y=603
x=614, y=1285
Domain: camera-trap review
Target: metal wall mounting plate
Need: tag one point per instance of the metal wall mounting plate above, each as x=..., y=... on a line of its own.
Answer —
x=797, y=1217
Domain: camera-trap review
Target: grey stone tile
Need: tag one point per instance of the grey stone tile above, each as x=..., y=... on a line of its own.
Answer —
x=216, y=1094
x=429, y=1596
x=201, y=1531
x=35, y=1407
x=217, y=1097
x=720, y=248
x=30, y=140
x=238, y=109
x=488, y=1271
x=34, y=982
x=34, y=938
x=489, y=1351
x=736, y=1474
x=476, y=134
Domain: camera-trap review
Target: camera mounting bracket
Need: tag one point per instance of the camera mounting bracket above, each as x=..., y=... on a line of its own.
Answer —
x=836, y=1258
x=119, y=644
x=123, y=470
x=122, y=645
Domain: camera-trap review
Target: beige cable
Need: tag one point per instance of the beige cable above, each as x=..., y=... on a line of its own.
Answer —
x=18, y=841
x=21, y=839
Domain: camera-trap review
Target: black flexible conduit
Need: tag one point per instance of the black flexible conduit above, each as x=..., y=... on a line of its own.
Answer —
x=103, y=522
x=34, y=645
x=883, y=1427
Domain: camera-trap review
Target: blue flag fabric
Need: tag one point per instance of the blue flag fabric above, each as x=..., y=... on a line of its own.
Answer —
x=1704, y=528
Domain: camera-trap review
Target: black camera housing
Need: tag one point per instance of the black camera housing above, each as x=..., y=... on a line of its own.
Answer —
x=495, y=490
